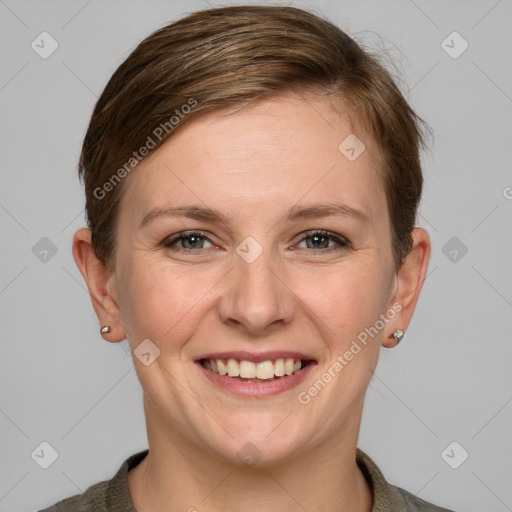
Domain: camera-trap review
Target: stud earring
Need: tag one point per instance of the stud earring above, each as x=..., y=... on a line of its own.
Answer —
x=105, y=329
x=398, y=335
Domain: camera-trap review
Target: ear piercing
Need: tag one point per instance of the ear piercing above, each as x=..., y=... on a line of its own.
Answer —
x=398, y=335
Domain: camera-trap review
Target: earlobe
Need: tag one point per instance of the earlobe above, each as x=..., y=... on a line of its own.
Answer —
x=409, y=282
x=97, y=279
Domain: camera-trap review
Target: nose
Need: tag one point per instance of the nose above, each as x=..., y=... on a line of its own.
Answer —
x=256, y=296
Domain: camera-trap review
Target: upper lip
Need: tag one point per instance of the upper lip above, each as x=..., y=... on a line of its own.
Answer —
x=257, y=357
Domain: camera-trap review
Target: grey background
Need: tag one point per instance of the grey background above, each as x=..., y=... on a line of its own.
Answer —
x=449, y=380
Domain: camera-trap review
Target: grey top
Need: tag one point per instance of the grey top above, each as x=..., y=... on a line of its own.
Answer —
x=114, y=495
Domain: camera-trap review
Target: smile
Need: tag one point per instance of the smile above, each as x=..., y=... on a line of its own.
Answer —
x=251, y=375
x=250, y=371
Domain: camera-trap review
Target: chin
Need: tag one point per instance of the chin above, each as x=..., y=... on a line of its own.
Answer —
x=256, y=441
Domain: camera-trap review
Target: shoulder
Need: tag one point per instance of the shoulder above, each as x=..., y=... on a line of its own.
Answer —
x=106, y=496
x=388, y=497
x=93, y=499
x=412, y=503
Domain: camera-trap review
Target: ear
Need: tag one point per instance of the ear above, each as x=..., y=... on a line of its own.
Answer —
x=409, y=280
x=101, y=285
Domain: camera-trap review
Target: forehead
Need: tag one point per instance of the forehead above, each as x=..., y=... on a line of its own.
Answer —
x=276, y=153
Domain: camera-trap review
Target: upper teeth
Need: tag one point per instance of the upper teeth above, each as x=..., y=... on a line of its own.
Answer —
x=249, y=370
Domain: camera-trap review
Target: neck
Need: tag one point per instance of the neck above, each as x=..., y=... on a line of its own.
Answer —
x=177, y=476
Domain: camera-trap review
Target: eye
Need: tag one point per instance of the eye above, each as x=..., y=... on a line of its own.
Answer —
x=189, y=240
x=318, y=241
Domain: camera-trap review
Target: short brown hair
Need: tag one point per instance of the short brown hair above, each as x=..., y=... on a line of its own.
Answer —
x=231, y=56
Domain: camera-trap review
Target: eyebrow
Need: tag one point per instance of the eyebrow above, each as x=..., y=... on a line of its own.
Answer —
x=296, y=213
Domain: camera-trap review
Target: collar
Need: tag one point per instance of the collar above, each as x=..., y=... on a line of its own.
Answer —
x=385, y=496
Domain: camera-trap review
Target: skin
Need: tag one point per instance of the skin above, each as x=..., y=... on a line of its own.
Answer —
x=253, y=165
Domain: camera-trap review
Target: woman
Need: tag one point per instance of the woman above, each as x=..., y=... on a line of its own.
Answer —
x=252, y=178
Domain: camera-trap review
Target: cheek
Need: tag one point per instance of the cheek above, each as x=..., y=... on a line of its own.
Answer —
x=346, y=298
x=163, y=301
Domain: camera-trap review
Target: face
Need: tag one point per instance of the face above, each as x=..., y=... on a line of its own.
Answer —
x=281, y=250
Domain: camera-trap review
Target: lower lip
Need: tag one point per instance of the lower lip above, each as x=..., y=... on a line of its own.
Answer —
x=256, y=389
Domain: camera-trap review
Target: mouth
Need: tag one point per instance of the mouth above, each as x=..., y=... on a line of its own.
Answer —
x=250, y=371
x=255, y=375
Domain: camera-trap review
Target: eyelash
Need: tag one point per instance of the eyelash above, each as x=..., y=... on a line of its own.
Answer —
x=340, y=240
